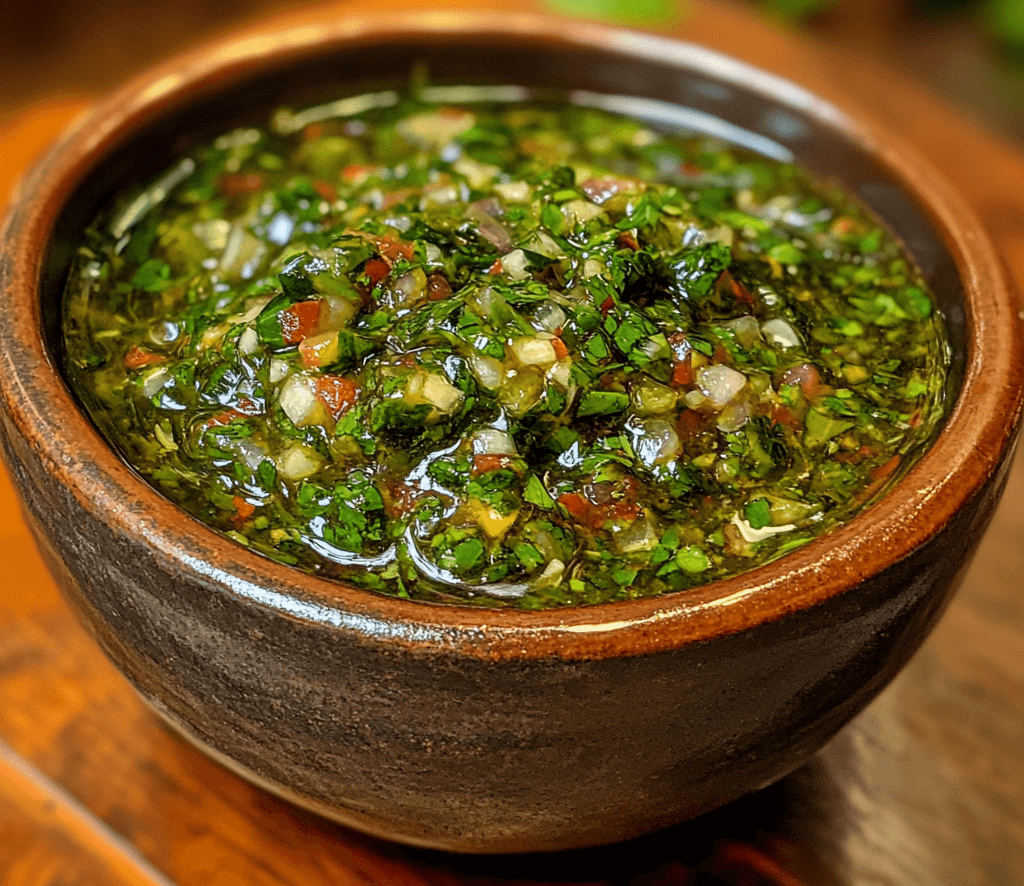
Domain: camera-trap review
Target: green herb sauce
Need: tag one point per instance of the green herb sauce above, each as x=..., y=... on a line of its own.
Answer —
x=515, y=354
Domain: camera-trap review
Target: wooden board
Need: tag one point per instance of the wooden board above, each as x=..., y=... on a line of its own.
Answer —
x=925, y=787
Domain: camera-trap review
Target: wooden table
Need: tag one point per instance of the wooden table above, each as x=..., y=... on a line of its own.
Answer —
x=925, y=787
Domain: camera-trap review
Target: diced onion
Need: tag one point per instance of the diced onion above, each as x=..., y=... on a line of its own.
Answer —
x=156, y=379
x=694, y=399
x=635, y=537
x=721, y=383
x=278, y=370
x=551, y=575
x=297, y=399
x=543, y=244
x=657, y=442
x=521, y=392
x=298, y=462
x=746, y=330
x=491, y=441
x=579, y=212
x=440, y=393
x=561, y=372
x=780, y=333
x=514, y=192
x=548, y=316
x=515, y=265
x=534, y=351
x=410, y=286
x=652, y=398
x=248, y=341
x=249, y=452
x=434, y=128
x=477, y=174
x=488, y=371
x=734, y=416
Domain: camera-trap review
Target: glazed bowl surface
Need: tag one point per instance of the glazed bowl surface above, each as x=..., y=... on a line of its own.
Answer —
x=453, y=727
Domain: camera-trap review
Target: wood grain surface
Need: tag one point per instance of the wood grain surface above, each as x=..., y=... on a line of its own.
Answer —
x=925, y=787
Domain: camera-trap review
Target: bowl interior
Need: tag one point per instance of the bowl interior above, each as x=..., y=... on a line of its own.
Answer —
x=699, y=89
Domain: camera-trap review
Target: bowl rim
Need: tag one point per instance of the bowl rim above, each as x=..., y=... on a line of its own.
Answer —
x=968, y=453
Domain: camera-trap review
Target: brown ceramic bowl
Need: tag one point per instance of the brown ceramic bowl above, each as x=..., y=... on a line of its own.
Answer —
x=447, y=726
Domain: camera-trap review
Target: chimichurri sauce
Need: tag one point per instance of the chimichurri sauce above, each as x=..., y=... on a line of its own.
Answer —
x=516, y=354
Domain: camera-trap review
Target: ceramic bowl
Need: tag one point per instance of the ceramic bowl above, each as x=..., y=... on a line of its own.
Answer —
x=446, y=726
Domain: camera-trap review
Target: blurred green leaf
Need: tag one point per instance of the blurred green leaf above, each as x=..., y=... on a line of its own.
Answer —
x=635, y=12
x=1004, y=20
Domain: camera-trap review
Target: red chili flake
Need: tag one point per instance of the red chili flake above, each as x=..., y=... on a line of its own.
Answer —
x=561, y=351
x=325, y=190
x=376, y=269
x=496, y=268
x=438, y=287
x=313, y=130
x=354, y=173
x=483, y=464
x=399, y=499
x=392, y=250
x=783, y=415
x=807, y=376
x=395, y=197
x=243, y=509
x=299, y=321
x=843, y=225
x=727, y=286
x=682, y=372
x=577, y=506
x=242, y=409
x=626, y=240
x=607, y=305
x=337, y=394
x=690, y=423
x=721, y=355
x=136, y=358
x=232, y=185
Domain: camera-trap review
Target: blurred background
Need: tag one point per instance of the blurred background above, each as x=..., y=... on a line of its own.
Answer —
x=971, y=51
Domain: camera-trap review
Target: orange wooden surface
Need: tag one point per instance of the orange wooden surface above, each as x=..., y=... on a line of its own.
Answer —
x=925, y=787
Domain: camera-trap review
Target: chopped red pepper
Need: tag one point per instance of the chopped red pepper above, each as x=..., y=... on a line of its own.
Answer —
x=136, y=358
x=392, y=250
x=682, y=372
x=376, y=269
x=243, y=509
x=355, y=173
x=483, y=464
x=807, y=376
x=299, y=321
x=690, y=423
x=626, y=240
x=337, y=394
x=438, y=287
x=561, y=351
x=241, y=183
x=325, y=190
